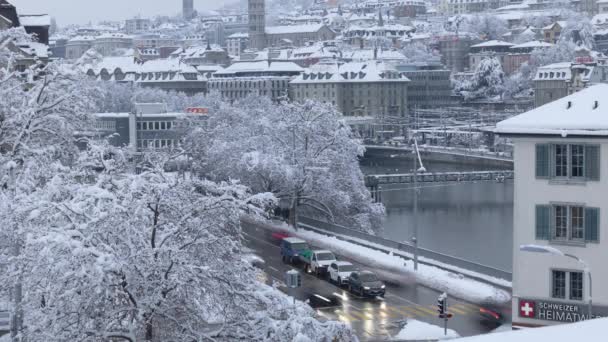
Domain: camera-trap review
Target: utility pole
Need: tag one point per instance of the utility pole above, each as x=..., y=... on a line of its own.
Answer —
x=415, y=221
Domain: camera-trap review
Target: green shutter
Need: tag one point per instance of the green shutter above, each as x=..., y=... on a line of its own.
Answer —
x=592, y=224
x=543, y=222
x=592, y=162
x=542, y=161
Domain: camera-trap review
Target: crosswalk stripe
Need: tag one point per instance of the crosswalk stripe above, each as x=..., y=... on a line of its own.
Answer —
x=358, y=314
x=415, y=311
x=427, y=310
x=399, y=312
x=467, y=308
x=456, y=310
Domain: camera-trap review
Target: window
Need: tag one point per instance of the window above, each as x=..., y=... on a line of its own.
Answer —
x=576, y=285
x=561, y=222
x=558, y=285
x=577, y=227
x=568, y=161
x=561, y=160
x=567, y=223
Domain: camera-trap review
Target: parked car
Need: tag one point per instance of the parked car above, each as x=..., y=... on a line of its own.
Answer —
x=340, y=271
x=291, y=248
x=317, y=262
x=366, y=284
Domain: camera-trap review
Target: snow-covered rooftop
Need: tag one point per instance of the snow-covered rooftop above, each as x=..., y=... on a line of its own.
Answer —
x=492, y=43
x=35, y=20
x=556, y=71
x=260, y=67
x=532, y=45
x=582, y=113
x=294, y=29
x=364, y=72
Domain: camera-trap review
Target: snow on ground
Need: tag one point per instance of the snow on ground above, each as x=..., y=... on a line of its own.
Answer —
x=418, y=331
x=492, y=280
x=395, y=268
x=588, y=331
x=5, y=338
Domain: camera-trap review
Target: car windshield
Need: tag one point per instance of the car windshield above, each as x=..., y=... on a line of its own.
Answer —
x=347, y=268
x=325, y=256
x=299, y=246
x=368, y=277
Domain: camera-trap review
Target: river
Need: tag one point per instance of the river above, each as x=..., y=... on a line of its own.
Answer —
x=472, y=221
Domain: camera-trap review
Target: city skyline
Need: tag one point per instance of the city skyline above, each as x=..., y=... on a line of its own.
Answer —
x=68, y=12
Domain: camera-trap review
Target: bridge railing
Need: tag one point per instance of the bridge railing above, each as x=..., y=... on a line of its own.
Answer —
x=408, y=248
x=473, y=176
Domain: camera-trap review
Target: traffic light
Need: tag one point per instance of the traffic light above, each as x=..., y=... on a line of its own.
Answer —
x=441, y=306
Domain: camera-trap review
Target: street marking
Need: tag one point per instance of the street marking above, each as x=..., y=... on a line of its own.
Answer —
x=359, y=315
x=398, y=312
x=274, y=269
x=414, y=311
x=457, y=310
x=262, y=241
x=427, y=310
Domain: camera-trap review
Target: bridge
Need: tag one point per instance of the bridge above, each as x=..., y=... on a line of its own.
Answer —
x=373, y=182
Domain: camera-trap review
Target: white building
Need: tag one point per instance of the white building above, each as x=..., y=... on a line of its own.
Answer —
x=561, y=182
x=137, y=25
x=77, y=46
x=107, y=43
x=237, y=43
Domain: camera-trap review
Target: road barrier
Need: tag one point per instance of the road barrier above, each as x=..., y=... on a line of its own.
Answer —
x=440, y=258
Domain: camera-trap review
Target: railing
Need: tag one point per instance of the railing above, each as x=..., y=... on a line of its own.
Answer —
x=502, y=156
x=473, y=176
x=406, y=247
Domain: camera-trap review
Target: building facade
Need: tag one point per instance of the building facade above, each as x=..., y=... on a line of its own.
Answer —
x=107, y=43
x=363, y=89
x=137, y=25
x=77, y=46
x=261, y=78
x=430, y=85
x=561, y=180
x=558, y=80
x=237, y=43
x=454, y=50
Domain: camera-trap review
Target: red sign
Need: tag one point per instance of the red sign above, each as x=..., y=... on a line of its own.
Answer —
x=526, y=308
x=197, y=110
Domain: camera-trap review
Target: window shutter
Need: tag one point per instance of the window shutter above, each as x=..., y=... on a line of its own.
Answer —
x=543, y=222
x=592, y=224
x=542, y=161
x=592, y=162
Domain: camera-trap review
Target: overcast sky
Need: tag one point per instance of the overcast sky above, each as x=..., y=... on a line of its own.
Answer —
x=84, y=11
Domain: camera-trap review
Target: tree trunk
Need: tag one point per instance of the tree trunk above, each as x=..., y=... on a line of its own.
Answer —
x=149, y=329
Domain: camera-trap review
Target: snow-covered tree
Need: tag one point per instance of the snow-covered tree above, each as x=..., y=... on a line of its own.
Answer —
x=487, y=81
x=486, y=26
x=97, y=251
x=303, y=153
x=418, y=52
x=578, y=30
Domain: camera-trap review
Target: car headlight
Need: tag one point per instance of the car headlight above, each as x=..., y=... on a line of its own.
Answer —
x=366, y=287
x=383, y=286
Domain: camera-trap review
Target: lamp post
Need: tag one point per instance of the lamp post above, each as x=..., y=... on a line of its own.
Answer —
x=416, y=190
x=555, y=251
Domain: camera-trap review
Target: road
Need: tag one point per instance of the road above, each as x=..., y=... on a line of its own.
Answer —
x=372, y=319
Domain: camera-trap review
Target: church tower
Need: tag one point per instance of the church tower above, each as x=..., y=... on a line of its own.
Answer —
x=257, y=24
x=188, y=9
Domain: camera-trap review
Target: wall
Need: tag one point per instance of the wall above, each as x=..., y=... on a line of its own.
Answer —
x=531, y=272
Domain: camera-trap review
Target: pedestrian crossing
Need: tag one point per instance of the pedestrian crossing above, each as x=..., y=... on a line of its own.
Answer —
x=350, y=313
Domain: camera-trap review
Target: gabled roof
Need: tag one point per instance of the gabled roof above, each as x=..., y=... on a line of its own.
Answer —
x=582, y=113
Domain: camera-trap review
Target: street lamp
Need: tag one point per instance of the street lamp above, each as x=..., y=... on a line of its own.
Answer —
x=555, y=251
x=415, y=223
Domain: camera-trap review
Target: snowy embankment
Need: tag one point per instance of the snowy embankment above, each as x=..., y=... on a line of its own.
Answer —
x=396, y=269
x=454, y=269
x=420, y=331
